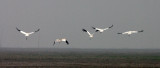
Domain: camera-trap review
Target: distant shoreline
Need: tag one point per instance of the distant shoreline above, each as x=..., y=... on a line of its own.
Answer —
x=79, y=50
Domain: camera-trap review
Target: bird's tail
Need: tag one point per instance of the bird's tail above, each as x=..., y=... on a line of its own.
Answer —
x=119, y=33
x=141, y=31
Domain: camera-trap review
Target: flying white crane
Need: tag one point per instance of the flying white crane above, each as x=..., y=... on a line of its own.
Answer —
x=90, y=35
x=131, y=32
x=60, y=40
x=26, y=33
x=101, y=30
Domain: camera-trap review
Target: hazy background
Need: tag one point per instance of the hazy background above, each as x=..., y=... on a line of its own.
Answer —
x=66, y=18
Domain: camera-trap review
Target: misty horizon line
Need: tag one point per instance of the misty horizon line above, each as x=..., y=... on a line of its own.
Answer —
x=70, y=48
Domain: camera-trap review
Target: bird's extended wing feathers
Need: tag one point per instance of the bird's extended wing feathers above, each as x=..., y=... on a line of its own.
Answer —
x=67, y=42
x=84, y=30
x=37, y=30
x=89, y=33
x=93, y=27
x=23, y=32
x=18, y=29
x=111, y=26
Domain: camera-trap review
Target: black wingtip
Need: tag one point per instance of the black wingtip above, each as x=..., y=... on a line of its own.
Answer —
x=141, y=31
x=93, y=27
x=111, y=26
x=84, y=30
x=18, y=29
x=37, y=30
x=96, y=30
x=119, y=33
x=67, y=42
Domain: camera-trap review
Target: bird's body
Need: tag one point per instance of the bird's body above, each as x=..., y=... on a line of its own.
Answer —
x=130, y=32
x=60, y=40
x=90, y=35
x=101, y=30
x=26, y=33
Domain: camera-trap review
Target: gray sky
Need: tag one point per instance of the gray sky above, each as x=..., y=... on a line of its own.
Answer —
x=68, y=17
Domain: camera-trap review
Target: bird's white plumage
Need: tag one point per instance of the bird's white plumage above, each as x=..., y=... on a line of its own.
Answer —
x=101, y=30
x=26, y=33
x=60, y=40
x=130, y=32
x=105, y=28
x=90, y=35
x=63, y=39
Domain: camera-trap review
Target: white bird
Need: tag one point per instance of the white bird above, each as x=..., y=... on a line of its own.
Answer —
x=60, y=40
x=90, y=35
x=26, y=33
x=131, y=32
x=101, y=30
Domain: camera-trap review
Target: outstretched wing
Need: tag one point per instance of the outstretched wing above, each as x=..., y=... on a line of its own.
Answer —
x=119, y=33
x=23, y=32
x=141, y=31
x=108, y=27
x=93, y=27
x=96, y=28
x=34, y=31
x=18, y=29
x=37, y=30
x=89, y=33
x=111, y=26
x=84, y=30
x=30, y=32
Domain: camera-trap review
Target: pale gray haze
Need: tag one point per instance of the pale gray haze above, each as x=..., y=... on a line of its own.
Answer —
x=66, y=18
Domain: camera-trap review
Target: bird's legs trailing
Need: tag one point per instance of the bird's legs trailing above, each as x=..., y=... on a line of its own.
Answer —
x=26, y=38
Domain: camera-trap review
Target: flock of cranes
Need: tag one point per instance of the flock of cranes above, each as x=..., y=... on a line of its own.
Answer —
x=26, y=34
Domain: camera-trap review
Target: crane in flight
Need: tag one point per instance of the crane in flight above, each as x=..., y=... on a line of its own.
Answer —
x=90, y=35
x=130, y=32
x=101, y=30
x=60, y=40
x=26, y=34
